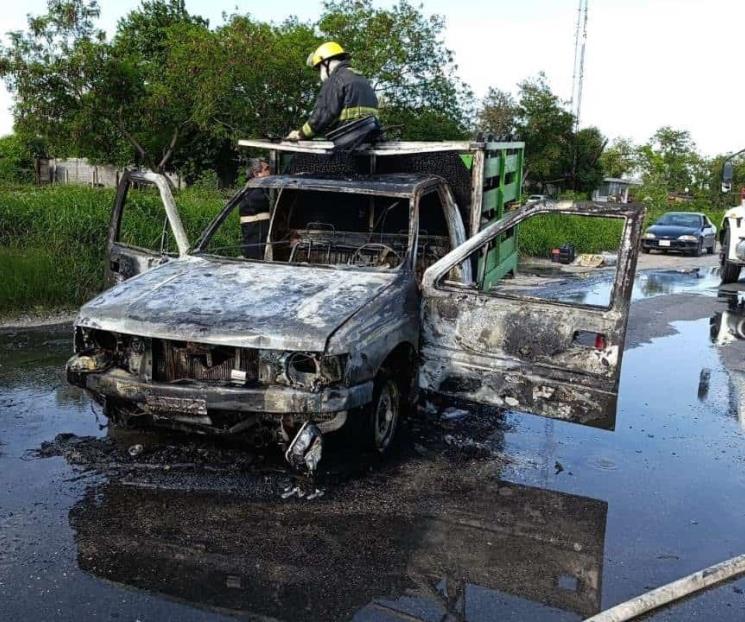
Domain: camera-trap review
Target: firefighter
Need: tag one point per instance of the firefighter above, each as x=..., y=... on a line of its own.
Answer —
x=346, y=109
x=254, y=212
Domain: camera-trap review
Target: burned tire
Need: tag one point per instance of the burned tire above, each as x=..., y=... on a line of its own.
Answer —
x=384, y=414
x=729, y=272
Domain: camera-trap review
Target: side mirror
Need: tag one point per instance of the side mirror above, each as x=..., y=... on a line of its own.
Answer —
x=727, y=175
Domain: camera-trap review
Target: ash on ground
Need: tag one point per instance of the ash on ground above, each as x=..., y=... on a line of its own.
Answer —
x=471, y=439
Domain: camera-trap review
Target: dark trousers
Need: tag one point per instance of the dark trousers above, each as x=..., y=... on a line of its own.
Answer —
x=254, y=239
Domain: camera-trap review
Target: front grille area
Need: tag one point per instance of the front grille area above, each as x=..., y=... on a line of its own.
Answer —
x=180, y=360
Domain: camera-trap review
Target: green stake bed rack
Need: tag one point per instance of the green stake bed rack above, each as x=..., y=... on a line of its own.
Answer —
x=486, y=179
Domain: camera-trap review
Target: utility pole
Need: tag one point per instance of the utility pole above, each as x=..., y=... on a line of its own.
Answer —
x=578, y=75
x=576, y=55
x=581, y=79
x=578, y=69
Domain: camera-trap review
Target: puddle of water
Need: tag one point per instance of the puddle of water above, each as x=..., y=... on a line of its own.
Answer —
x=655, y=283
x=594, y=288
x=571, y=521
x=672, y=472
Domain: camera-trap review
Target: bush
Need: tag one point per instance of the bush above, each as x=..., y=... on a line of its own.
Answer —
x=16, y=160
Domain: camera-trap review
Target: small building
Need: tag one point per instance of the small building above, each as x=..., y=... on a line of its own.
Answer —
x=614, y=190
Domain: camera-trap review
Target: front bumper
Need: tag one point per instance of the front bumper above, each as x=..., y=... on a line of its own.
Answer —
x=674, y=245
x=196, y=398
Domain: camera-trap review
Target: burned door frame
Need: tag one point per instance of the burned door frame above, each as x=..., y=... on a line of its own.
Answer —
x=126, y=260
x=523, y=353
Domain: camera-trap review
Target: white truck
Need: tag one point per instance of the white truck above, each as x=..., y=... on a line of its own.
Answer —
x=732, y=231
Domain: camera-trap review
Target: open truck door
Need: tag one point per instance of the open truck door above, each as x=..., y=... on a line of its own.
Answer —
x=145, y=229
x=549, y=341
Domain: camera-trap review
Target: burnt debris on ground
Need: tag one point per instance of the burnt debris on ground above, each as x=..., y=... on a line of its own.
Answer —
x=171, y=460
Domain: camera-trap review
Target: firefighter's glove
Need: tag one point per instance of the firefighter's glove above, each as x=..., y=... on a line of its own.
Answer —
x=294, y=136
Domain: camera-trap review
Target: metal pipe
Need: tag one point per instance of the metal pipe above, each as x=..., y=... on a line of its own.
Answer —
x=672, y=592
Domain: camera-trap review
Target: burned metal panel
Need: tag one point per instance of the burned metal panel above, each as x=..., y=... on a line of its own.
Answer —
x=381, y=149
x=403, y=185
x=509, y=386
x=523, y=353
x=200, y=398
x=377, y=329
x=235, y=303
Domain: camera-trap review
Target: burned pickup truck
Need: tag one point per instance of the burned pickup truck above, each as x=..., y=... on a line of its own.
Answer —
x=373, y=288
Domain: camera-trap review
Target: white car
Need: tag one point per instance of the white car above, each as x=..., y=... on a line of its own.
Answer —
x=536, y=198
x=732, y=238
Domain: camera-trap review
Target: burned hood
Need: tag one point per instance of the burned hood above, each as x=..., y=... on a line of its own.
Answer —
x=235, y=303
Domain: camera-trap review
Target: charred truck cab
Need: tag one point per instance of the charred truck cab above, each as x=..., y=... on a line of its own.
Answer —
x=373, y=287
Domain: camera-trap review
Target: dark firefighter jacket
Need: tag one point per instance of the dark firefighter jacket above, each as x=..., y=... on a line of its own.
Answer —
x=254, y=213
x=346, y=96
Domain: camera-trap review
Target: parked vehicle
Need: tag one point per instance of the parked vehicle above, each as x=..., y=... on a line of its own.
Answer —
x=732, y=239
x=370, y=292
x=685, y=232
x=535, y=198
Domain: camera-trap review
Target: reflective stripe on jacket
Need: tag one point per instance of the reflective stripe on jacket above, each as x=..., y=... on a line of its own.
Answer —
x=346, y=96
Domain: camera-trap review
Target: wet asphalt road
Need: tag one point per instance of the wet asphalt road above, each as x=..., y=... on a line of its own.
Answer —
x=484, y=517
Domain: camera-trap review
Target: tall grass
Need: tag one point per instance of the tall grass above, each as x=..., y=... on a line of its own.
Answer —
x=53, y=239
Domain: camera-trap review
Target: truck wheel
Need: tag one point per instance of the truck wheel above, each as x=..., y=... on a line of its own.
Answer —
x=385, y=413
x=729, y=271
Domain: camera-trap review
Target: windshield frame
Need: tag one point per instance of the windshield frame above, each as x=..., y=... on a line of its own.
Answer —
x=201, y=247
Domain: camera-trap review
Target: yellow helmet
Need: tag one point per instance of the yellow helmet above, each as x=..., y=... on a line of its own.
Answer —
x=327, y=51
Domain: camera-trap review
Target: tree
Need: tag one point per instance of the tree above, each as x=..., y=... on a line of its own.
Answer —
x=497, y=114
x=157, y=100
x=402, y=52
x=546, y=128
x=587, y=170
x=170, y=92
x=17, y=159
x=619, y=158
x=98, y=99
x=47, y=68
x=670, y=158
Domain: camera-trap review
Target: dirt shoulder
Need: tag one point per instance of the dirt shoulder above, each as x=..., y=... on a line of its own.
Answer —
x=36, y=320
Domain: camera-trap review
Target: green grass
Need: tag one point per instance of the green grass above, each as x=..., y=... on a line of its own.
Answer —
x=53, y=239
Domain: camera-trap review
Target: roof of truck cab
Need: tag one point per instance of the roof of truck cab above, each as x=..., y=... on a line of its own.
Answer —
x=392, y=184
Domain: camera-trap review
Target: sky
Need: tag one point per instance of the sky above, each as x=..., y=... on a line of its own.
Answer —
x=648, y=63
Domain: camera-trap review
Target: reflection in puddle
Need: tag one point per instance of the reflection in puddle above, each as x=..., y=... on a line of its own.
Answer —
x=727, y=330
x=594, y=288
x=728, y=325
x=472, y=554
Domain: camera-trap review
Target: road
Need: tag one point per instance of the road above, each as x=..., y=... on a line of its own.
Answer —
x=477, y=516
